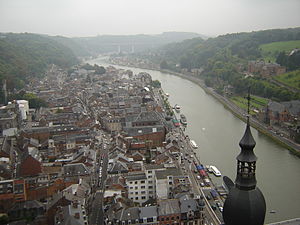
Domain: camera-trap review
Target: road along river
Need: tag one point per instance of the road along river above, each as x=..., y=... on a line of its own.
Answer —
x=217, y=132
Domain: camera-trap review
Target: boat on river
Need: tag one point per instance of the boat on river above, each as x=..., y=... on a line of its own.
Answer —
x=215, y=171
x=176, y=122
x=183, y=119
x=193, y=144
x=207, y=167
x=177, y=108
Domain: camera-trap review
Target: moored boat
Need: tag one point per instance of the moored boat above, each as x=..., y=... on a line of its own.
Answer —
x=208, y=168
x=215, y=171
x=193, y=144
x=177, y=108
x=183, y=119
x=176, y=122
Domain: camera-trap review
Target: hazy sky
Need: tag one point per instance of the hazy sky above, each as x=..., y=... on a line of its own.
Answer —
x=97, y=17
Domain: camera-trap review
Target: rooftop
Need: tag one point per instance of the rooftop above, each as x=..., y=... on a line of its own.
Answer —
x=163, y=174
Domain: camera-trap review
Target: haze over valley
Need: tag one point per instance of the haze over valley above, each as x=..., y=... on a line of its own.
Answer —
x=149, y=112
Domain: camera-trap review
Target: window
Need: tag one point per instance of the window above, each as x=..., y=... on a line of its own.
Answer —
x=162, y=219
x=143, y=197
x=150, y=171
x=136, y=198
x=142, y=182
x=150, y=219
x=150, y=187
x=143, y=187
x=135, y=182
x=131, y=193
x=170, y=183
x=150, y=181
x=143, y=192
x=167, y=218
x=150, y=192
x=130, y=182
x=137, y=193
x=131, y=187
x=150, y=176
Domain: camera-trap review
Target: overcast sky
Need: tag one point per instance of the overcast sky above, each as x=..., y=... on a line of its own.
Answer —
x=96, y=17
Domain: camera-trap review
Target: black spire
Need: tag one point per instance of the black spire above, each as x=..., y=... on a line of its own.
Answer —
x=246, y=159
x=245, y=203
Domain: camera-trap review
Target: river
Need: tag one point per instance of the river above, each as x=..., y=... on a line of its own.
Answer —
x=217, y=132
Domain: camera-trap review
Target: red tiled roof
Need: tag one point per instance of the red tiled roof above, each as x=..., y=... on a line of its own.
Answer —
x=30, y=167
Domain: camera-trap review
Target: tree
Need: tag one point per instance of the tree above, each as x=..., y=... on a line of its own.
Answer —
x=282, y=59
x=156, y=84
x=99, y=69
x=164, y=65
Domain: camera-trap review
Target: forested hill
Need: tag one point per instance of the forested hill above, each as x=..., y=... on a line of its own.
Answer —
x=131, y=43
x=224, y=61
x=195, y=53
x=27, y=55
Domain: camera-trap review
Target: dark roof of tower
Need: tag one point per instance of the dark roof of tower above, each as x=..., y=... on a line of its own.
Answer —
x=247, y=207
x=247, y=144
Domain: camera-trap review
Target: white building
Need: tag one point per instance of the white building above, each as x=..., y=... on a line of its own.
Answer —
x=138, y=187
x=164, y=182
x=150, y=173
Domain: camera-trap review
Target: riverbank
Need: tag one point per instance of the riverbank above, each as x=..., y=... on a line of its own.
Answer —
x=234, y=109
x=288, y=144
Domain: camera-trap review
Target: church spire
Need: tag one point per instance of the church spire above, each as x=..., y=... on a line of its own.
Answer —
x=245, y=204
x=246, y=160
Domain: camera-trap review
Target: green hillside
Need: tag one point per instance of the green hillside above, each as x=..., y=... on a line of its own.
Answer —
x=291, y=78
x=28, y=55
x=224, y=59
x=270, y=51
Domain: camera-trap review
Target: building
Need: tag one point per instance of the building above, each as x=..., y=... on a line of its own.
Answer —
x=138, y=187
x=169, y=211
x=265, y=69
x=164, y=182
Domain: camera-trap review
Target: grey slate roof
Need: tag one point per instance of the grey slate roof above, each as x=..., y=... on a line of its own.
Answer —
x=153, y=166
x=188, y=205
x=75, y=169
x=163, y=174
x=147, y=212
x=136, y=176
x=137, y=131
x=276, y=107
x=293, y=106
x=128, y=214
x=27, y=205
x=167, y=207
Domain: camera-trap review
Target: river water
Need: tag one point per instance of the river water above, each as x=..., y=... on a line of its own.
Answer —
x=217, y=132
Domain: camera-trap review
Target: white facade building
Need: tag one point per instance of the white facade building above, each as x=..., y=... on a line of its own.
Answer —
x=137, y=184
